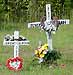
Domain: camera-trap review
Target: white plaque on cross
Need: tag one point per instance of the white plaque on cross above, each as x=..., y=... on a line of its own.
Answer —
x=16, y=42
x=48, y=20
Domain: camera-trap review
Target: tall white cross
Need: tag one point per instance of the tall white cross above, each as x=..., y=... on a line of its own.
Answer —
x=48, y=20
x=16, y=42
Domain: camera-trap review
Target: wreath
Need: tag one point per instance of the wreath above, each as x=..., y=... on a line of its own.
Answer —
x=14, y=63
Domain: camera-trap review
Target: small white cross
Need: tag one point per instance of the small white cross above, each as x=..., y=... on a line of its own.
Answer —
x=14, y=41
x=48, y=20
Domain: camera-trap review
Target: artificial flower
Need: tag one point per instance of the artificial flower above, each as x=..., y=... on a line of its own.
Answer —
x=36, y=51
x=40, y=52
x=42, y=55
x=14, y=63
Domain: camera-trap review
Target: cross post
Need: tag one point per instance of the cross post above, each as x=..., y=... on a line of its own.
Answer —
x=16, y=42
x=49, y=25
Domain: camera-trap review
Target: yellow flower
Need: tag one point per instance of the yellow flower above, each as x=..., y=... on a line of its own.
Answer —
x=40, y=50
x=44, y=52
x=41, y=55
x=44, y=47
x=36, y=51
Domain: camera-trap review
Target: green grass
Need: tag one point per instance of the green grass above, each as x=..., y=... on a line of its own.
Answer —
x=62, y=41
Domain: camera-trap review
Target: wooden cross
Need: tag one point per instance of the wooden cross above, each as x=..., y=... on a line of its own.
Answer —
x=48, y=20
x=16, y=42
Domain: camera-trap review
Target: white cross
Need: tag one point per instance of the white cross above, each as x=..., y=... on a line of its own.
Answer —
x=48, y=20
x=16, y=42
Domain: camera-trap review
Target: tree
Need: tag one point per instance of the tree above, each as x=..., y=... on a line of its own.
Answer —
x=36, y=9
x=67, y=9
x=15, y=10
x=57, y=8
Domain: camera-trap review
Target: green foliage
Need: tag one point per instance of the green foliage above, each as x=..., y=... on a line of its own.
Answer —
x=49, y=59
x=58, y=8
x=71, y=4
x=32, y=10
x=13, y=10
x=52, y=56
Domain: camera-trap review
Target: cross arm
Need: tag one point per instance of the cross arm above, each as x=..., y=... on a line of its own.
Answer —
x=33, y=24
x=64, y=21
x=61, y=21
x=12, y=43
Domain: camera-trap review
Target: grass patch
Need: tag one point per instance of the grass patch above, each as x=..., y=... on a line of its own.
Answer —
x=62, y=41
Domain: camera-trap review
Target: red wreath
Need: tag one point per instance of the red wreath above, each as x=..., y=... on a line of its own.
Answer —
x=14, y=63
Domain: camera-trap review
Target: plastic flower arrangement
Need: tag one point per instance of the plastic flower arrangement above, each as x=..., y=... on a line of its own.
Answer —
x=14, y=63
x=44, y=55
x=41, y=51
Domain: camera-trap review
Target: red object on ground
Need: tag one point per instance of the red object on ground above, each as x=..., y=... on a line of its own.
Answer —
x=14, y=63
x=0, y=64
x=63, y=65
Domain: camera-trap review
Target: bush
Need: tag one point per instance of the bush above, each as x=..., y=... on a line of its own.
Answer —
x=52, y=57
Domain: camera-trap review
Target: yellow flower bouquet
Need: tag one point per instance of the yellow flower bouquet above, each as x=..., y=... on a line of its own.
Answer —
x=40, y=52
x=44, y=55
